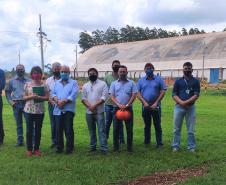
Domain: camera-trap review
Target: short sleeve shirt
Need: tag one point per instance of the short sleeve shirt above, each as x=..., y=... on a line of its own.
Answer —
x=123, y=90
x=150, y=88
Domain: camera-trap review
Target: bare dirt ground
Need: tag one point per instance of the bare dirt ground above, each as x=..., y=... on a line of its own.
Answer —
x=171, y=177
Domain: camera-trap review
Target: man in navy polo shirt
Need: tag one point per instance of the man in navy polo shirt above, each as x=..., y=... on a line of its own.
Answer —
x=151, y=90
x=185, y=93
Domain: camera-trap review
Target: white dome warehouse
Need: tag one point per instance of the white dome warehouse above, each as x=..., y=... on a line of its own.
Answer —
x=207, y=52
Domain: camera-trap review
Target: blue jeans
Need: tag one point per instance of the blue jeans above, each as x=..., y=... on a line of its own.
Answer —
x=64, y=123
x=34, y=127
x=18, y=115
x=190, y=118
x=92, y=120
x=52, y=123
x=148, y=115
x=129, y=130
x=109, y=118
x=2, y=134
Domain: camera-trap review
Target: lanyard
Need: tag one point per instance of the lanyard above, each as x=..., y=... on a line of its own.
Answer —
x=187, y=90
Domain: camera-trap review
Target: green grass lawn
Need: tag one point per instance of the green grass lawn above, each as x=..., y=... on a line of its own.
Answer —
x=82, y=168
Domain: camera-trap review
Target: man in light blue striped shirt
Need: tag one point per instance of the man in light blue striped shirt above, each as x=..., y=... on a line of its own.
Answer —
x=64, y=94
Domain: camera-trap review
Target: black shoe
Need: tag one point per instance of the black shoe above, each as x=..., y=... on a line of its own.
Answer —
x=116, y=150
x=103, y=152
x=68, y=151
x=59, y=151
x=130, y=150
x=159, y=146
x=19, y=144
x=92, y=150
x=53, y=145
x=122, y=142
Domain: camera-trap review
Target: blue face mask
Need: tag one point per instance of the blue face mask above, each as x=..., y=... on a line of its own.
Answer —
x=64, y=76
x=149, y=73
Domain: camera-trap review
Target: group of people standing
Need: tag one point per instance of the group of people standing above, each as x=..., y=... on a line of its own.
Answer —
x=102, y=99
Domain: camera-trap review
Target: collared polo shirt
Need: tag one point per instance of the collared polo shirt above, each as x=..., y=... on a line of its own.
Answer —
x=150, y=88
x=123, y=90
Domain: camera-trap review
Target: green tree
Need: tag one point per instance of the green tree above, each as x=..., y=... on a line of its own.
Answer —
x=85, y=41
x=154, y=33
x=111, y=36
x=184, y=31
x=162, y=33
x=141, y=34
x=191, y=31
x=98, y=37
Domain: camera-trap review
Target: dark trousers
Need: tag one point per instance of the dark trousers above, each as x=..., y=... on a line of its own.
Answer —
x=129, y=130
x=18, y=115
x=34, y=127
x=148, y=115
x=52, y=123
x=64, y=123
x=109, y=113
x=2, y=134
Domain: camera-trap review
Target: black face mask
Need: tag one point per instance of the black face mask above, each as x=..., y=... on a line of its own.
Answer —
x=20, y=73
x=123, y=76
x=56, y=73
x=93, y=78
x=115, y=68
x=187, y=73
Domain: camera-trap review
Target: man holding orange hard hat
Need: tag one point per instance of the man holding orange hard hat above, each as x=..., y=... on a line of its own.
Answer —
x=123, y=93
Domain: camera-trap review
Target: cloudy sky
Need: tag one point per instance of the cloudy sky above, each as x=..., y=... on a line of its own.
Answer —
x=63, y=20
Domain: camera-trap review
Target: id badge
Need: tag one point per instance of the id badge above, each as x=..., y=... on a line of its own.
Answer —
x=187, y=91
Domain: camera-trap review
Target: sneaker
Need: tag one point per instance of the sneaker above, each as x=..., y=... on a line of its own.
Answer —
x=38, y=153
x=29, y=153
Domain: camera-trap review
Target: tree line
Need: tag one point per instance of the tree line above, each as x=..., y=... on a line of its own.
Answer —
x=128, y=34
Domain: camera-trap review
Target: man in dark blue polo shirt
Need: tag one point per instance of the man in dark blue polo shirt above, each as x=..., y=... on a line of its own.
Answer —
x=2, y=86
x=185, y=93
x=151, y=90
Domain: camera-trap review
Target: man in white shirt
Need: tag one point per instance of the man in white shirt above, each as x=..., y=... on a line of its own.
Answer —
x=94, y=94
